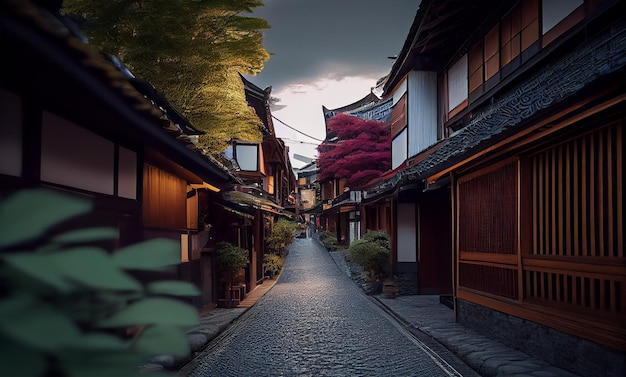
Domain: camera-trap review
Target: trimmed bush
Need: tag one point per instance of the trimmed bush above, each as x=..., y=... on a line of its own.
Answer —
x=371, y=255
x=379, y=236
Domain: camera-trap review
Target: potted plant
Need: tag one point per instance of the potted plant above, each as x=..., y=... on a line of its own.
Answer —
x=231, y=260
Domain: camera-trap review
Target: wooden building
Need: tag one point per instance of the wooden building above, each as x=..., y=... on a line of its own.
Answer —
x=508, y=152
x=268, y=183
x=266, y=164
x=75, y=121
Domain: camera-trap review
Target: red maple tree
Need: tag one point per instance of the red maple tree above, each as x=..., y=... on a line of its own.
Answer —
x=356, y=149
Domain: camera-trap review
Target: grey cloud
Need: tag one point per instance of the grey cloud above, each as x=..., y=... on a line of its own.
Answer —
x=330, y=38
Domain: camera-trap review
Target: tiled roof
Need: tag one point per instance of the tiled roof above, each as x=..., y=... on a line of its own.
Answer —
x=368, y=100
x=431, y=41
x=259, y=99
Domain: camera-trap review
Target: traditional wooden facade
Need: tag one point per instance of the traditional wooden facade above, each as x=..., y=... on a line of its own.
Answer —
x=74, y=120
x=269, y=183
x=525, y=153
x=273, y=172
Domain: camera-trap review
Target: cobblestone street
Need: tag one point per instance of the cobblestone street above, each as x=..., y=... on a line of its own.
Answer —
x=315, y=322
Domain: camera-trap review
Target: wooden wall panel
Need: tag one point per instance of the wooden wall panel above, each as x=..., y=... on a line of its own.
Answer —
x=398, y=117
x=488, y=211
x=489, y=279
x=164, y=199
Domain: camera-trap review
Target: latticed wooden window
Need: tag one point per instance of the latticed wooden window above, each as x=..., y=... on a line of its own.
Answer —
x=577, y=250
x=488, y=211
x=487, y=229
x=578, y=198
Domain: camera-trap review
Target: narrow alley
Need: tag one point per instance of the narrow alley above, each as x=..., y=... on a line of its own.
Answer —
x=316, y=322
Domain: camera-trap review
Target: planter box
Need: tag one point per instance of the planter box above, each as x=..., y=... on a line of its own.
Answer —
x=390, y=290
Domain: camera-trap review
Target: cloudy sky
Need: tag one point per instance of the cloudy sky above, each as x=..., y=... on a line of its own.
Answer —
x=326, y=52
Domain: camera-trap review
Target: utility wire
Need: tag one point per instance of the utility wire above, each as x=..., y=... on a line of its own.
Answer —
x=287, y=140
x=300, y=132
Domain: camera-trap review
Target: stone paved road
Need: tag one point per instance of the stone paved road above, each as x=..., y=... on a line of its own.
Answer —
x=315, y=322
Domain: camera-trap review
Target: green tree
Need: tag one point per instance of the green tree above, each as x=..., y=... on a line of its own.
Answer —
x=192, y=51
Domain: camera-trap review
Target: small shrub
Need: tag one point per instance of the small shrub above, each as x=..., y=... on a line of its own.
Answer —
x=273, y=264
x=328, y=240
x=379, y=236
x=372, y=256
x=324, y=234
x=283, y=233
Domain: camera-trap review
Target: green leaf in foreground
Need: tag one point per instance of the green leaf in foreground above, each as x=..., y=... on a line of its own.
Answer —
x=17, y=360
x=99, y=342
x=154, y=311
x=173, y=288
x=28, y=214
x=35, y=324
x=94, y=268
x=155, y=254
x=39, y=267
x=101, y=364
x=85, y=236
x=163, y=340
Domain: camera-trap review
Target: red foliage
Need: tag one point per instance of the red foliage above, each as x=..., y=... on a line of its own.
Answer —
x=361, y=152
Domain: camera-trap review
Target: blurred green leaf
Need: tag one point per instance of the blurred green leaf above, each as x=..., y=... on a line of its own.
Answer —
x=28, y=214
x=87, y=266
x=16, y=360
x=163, y=340
x=93, y=268
x=173, y=288
x=13, y=279
x=154, y=311
x=86, y=236
x=100, y=363
x=99, y=342
x=35, y=324
x=39, y=267
x=155, y=254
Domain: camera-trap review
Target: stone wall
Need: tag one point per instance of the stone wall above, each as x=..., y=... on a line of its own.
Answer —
x=563, y=350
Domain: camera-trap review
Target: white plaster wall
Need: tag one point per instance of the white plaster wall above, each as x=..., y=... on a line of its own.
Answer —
x=75, y=157
x=407, y=239
x=399, y=149
x=421, y=111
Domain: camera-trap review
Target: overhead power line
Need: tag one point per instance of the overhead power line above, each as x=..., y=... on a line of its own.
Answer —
x=287, y=140
x=298, y=131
